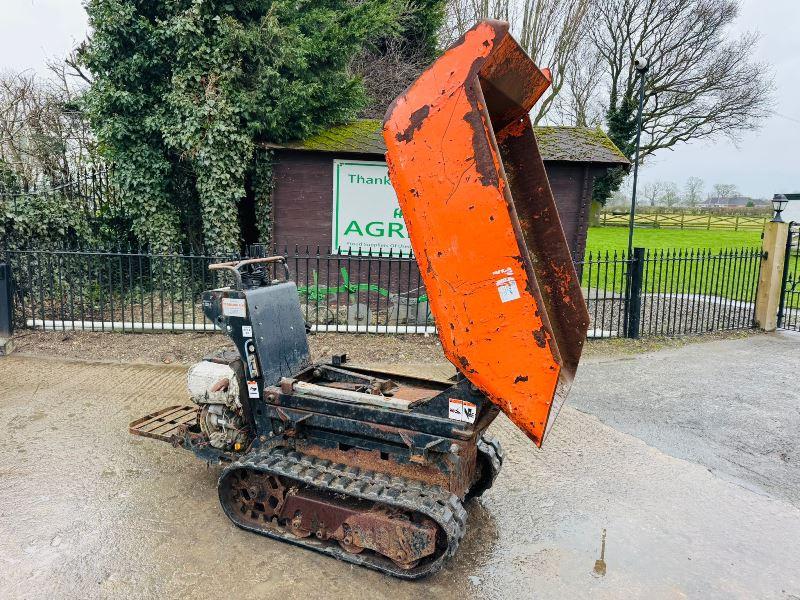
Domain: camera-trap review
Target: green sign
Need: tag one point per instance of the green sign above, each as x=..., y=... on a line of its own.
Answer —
x=366, y=215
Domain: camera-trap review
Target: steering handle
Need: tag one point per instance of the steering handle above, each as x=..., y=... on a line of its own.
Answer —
x=235, y=267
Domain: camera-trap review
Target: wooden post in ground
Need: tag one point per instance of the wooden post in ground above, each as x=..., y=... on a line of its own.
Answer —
x=771, y=275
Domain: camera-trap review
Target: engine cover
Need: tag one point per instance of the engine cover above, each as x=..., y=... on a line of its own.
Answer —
x=213, y=383
x=214, y=387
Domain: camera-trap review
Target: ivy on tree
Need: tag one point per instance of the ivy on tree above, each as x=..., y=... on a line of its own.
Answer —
x=183, y=90
x=621, y=121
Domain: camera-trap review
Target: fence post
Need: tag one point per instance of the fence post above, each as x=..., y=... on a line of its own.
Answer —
x=785, y=275
x=6, y=310
x=634, y=316
x=770, y=275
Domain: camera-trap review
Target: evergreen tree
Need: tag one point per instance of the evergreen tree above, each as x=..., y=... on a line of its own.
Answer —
x=183, y=90
x=421, y=29
x=621, y=122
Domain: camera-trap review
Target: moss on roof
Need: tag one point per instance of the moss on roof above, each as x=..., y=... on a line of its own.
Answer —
x=362, y=136
x=569, y=144
x=578, y=144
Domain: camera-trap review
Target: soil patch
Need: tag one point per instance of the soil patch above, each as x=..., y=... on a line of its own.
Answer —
x=188, y=348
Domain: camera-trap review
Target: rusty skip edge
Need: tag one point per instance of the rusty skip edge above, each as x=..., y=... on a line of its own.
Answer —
x=553, y=280
x=502, y=87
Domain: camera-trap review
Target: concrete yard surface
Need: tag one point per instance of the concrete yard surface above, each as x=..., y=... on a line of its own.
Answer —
x=685, y=460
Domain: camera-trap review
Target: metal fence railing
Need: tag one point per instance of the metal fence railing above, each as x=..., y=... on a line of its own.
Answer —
x=105, y=290
x=699, y=291
x=654, y=292
x=789, y=307
x=670, y=292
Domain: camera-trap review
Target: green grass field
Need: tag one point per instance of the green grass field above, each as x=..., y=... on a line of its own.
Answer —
x=667, y=271
x=730, y=277
x=601, y=239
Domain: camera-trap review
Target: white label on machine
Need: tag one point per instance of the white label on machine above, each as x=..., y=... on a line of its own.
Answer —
x=234, y=307
x=252, y=389
x=506, y=286
x=462, y=410
x=247, y=331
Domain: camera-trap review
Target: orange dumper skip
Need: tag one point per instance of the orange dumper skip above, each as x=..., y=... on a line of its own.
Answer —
x=481, y=217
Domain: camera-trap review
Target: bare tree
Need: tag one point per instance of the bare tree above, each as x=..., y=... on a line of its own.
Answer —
x=463, y=14
x=669, y=195
x=693, y=191
x=652, y=191
x=725, y=191
x=578, y=103
x=386, y=74
x=16, y=102
x=701, y=83
x=552, y=32
x=43, y=136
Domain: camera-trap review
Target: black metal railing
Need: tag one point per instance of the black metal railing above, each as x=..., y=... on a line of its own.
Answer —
x=670, y=292
x=698, y=291
x=104, y=290
x=789, y=306
x=653, y=293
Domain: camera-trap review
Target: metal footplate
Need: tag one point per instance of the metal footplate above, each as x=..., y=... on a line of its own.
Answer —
x=395, y=525
x=164, y=424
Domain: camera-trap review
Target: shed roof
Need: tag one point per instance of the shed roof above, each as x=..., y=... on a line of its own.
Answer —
x=571, y=144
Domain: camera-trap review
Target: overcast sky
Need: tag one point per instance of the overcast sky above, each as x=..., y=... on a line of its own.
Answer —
x=765, y=162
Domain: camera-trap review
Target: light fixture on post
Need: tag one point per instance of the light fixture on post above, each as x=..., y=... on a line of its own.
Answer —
x=779, y=202
x=641, y=65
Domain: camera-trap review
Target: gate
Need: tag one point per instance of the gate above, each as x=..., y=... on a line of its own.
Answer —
x=789, y=307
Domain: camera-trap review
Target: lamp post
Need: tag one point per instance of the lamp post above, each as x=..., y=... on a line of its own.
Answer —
x=632, y=306
x=641, y=65
x=779, y=202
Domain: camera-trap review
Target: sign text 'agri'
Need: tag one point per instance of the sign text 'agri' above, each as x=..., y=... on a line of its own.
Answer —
x=366, y=215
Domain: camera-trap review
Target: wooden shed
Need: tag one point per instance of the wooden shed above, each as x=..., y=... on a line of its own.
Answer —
x=304, y=192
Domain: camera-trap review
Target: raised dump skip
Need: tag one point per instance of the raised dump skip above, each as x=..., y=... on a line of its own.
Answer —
x=481, y=217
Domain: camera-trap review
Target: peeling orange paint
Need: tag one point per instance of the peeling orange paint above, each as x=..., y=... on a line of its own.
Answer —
x=482, y=221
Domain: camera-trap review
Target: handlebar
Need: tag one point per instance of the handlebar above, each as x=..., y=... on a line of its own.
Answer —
x=236, y=266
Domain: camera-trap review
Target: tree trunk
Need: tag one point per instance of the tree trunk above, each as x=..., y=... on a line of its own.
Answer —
x=594, y=213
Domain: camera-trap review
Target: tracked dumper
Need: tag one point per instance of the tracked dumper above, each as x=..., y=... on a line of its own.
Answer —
x=374, y=468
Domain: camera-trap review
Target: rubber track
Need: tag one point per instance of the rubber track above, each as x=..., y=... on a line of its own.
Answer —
x=432, y=501
x=489, y=447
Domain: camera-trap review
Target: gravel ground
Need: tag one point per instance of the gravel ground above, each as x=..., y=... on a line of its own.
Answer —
x=188, y=348
x=643, y=492
x=668, y=314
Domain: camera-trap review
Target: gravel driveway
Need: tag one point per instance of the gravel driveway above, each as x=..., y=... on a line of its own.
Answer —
x=684, y=460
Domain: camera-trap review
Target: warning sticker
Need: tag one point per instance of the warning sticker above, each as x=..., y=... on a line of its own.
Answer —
x=234, y=307
x=506, y=286
x=252, y=389
x=462, y=410
x=247, y=331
